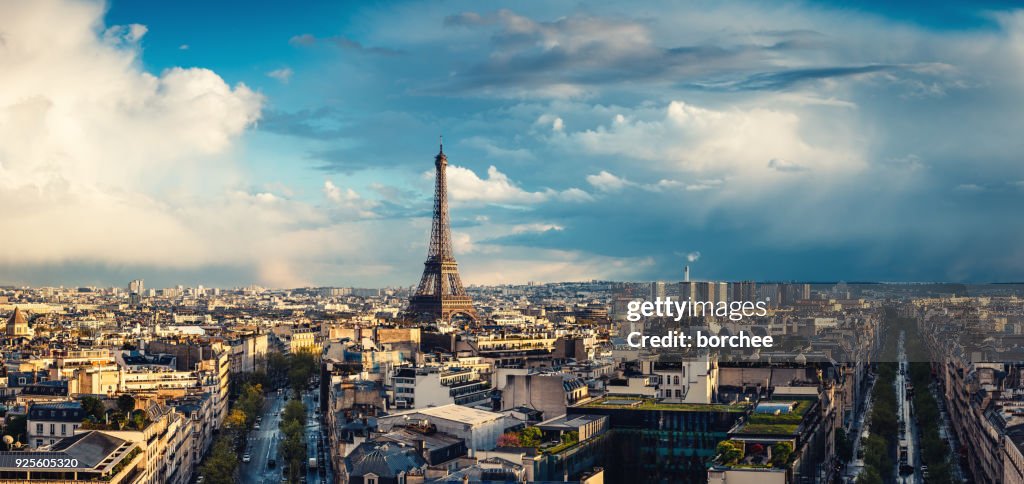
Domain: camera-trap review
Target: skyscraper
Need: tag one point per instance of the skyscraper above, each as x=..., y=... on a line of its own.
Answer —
x=440, y=294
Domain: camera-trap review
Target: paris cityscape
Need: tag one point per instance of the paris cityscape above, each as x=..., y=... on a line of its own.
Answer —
x=335, y=242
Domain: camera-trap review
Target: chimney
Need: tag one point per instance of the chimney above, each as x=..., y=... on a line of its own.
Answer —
x=686, y=274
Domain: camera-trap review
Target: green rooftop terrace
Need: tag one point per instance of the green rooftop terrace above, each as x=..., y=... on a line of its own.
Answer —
x=787, y=423
x=656, y=404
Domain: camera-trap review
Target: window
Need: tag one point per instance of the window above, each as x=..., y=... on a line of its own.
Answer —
x=39, y=442
x=53, y=429
x=677, y=380
x=39, y=428
x=63, y=429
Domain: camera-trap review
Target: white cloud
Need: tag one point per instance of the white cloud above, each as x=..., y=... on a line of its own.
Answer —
x=128, y=34
x=738, y=142
x=283, y=74
x=465, y=186
x=349, y=201
x=607, y=182
x=335, y=194
x=556, y=123
x=536, y=228
x=610, y=183
x=103, y=162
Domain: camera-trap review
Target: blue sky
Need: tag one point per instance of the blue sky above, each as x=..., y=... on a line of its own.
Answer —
x=227, y=143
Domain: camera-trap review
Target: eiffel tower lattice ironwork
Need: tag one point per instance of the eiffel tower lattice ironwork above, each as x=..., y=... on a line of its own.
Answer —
x=440, y=294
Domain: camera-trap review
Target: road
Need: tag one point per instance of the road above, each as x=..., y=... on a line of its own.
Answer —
x=262, y=445
x=313, y=441
x=910, y=433
x=856, y=465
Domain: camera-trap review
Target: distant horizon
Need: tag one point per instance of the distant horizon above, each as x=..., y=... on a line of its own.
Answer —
x=528, y=283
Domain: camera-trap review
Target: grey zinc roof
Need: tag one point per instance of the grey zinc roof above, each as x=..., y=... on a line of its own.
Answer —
x=382, y=459
x=89, y=448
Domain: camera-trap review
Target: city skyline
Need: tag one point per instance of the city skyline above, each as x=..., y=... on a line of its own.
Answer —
x=228, y=146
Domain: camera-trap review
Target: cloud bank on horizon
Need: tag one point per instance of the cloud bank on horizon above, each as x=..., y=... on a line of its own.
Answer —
x=586, y=142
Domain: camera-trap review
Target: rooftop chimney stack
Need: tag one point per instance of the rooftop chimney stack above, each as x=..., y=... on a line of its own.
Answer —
x=686, y=274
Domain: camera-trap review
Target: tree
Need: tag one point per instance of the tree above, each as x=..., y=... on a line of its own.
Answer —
x=570, y=437
x=729, y=452
x=277, y=367
x=301, y=368
x=17, y=427
x=509, y=439
x=869, y=476
x=294, y=410
x=780, y=453
x=236, y=419
x=93, y=407
x=250, y=402
x=220, y=465
x=139, y=419
x=844, y=448
x=530, y=437
x=126, y=403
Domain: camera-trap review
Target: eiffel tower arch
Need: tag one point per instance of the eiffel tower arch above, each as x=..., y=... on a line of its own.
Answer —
x=440, y=294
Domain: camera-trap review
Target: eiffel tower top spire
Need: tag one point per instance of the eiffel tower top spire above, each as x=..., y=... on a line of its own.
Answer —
x=440, y=294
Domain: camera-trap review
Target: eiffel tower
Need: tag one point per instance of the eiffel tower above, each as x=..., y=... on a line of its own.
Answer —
x=440, y=294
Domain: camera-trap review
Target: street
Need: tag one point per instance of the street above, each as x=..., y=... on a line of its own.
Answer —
x=262, y=445
x=313, y=441
x=856, y=464
x=908, y=436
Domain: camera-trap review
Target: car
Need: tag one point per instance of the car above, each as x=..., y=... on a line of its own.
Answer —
x=271, y=463
x=200, y=479
x=257, y=426
x=246, y=458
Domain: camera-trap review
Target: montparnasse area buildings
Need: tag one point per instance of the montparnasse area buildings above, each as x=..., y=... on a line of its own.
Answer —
x=450, y=381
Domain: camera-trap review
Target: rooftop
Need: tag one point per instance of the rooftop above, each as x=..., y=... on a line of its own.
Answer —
x=776, y=417
x=569, y=422
x=657, y=404
x=456, y=413
x=94, y=451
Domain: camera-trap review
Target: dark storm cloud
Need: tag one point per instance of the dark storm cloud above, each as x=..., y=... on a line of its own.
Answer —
x=779, y=80
x=585, y=50
x=884, y=205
